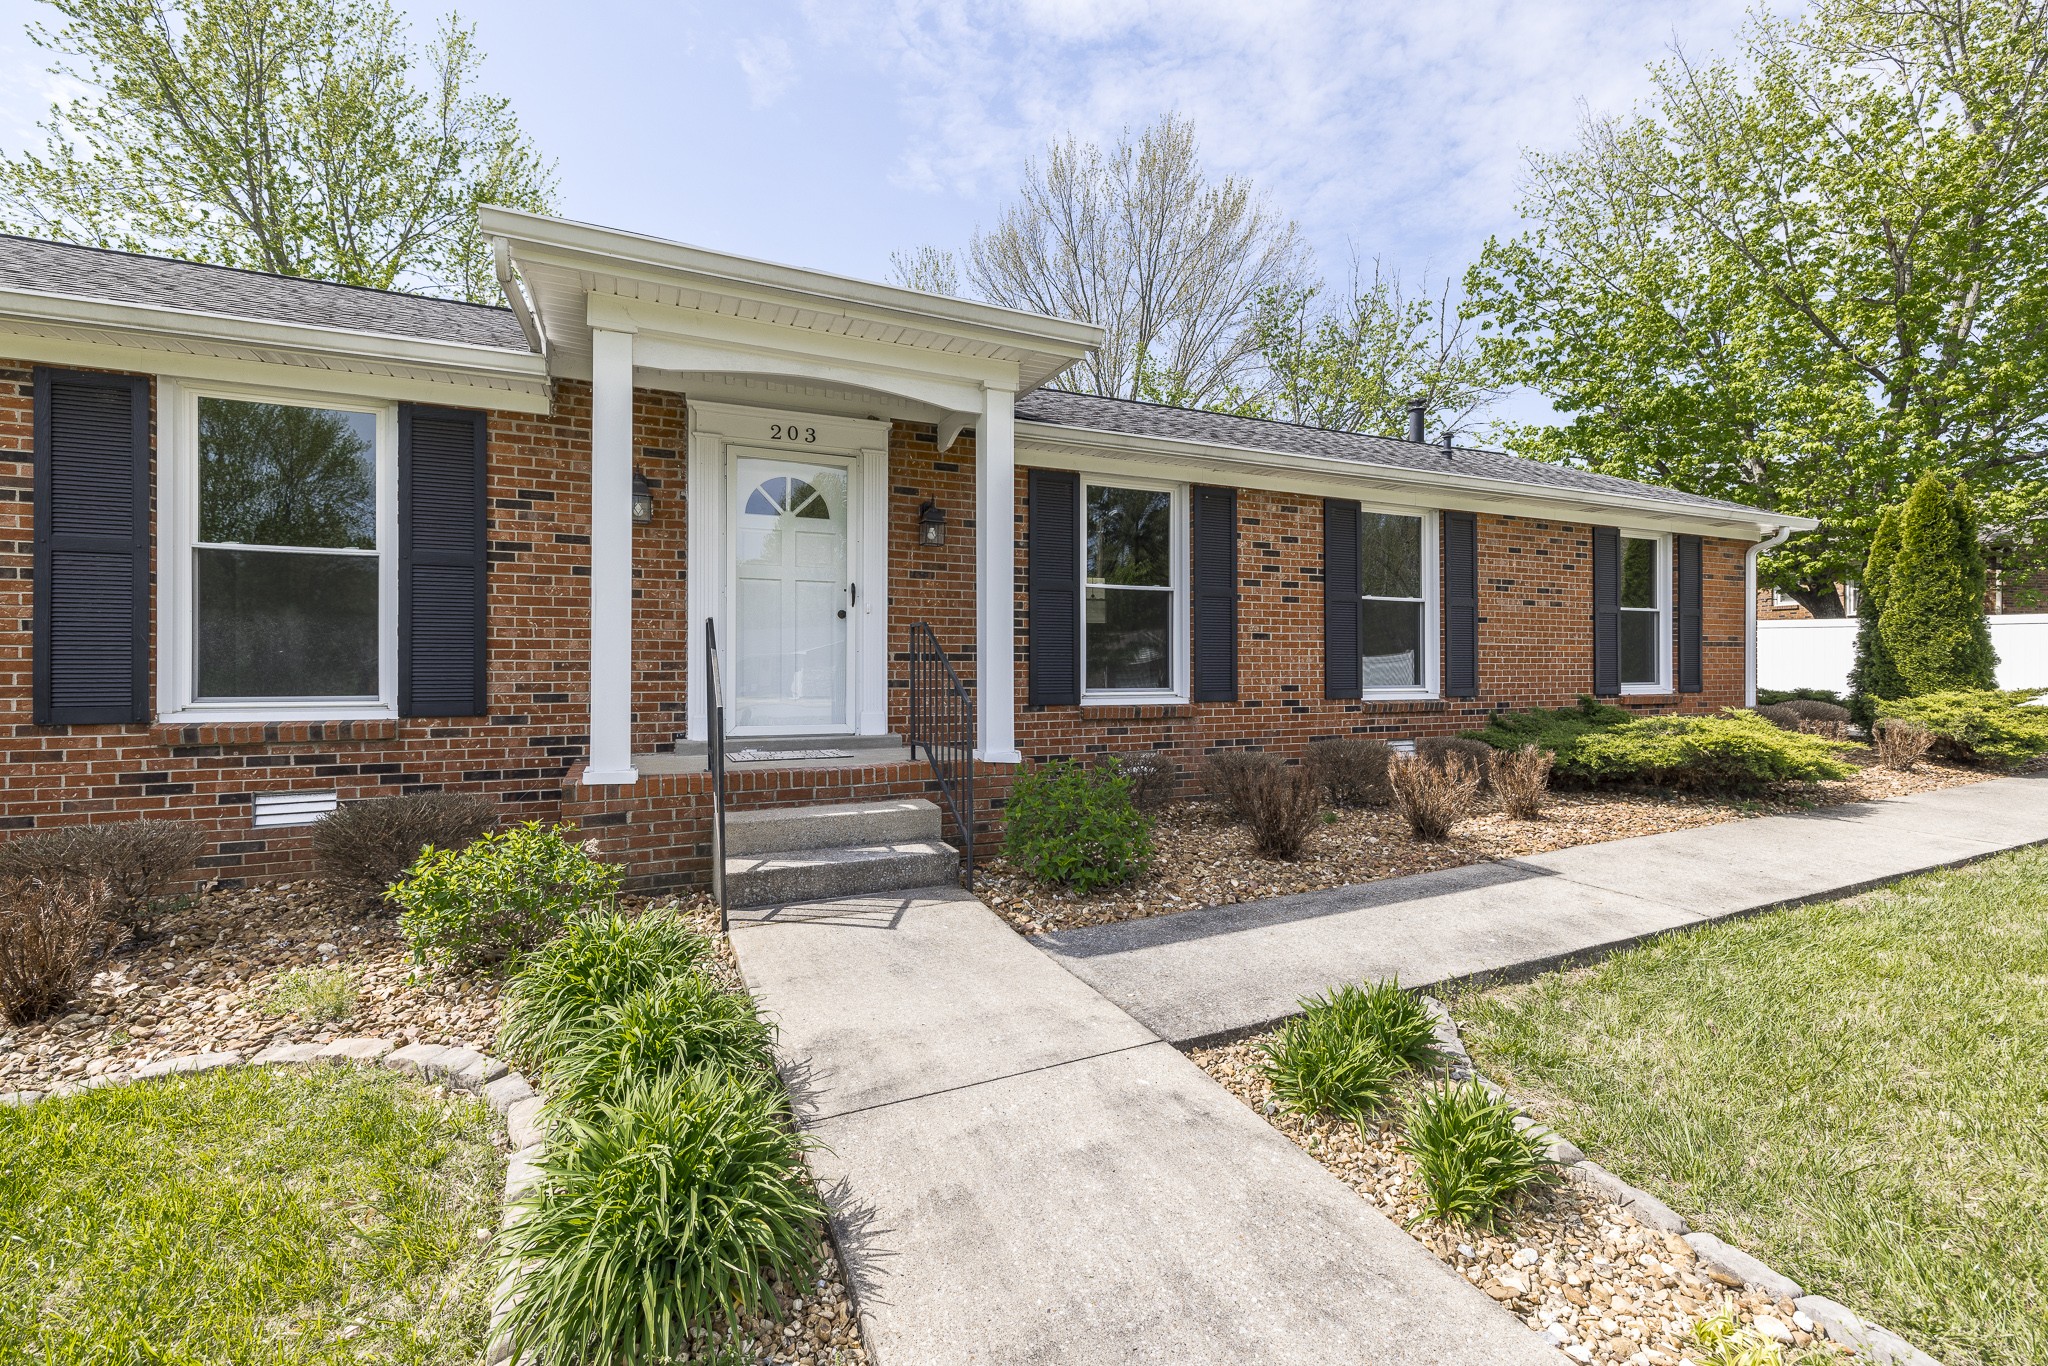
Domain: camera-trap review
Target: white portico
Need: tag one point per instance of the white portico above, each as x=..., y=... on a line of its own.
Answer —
x=792, y=379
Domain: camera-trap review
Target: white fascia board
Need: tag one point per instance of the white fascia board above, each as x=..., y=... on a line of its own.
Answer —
x=190, y=336
x=1079, y=448
x=610, y=250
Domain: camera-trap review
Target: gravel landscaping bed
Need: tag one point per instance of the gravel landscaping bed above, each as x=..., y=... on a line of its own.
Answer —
x=1570, y=1263
x=1203, y=858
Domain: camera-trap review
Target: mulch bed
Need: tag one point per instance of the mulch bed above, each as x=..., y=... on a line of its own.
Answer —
x=1203, y=858
x=1569, y=1263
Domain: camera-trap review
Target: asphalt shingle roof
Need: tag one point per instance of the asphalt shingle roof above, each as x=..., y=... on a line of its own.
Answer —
x=123, y=277
x=1058, y=407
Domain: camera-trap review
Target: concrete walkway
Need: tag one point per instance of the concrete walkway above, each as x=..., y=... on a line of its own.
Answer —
x=1020, y=1173
x=1227, y=970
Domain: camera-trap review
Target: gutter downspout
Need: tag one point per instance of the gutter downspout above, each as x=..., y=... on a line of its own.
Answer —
x=515, y=294
x=1770, y=542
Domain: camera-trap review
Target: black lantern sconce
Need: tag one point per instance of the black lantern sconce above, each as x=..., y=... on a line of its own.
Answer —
x=931, y=524
x=643, y=500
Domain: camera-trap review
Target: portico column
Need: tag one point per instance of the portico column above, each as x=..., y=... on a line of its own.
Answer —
x=611, y=559
x=995, y=553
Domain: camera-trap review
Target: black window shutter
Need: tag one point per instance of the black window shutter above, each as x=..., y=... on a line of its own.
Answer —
x=1690, y=627
x=1052, y=585
x=442, y=562
x=1461, y=604
x=1215, y=595
x=1343, y=671
x=89, y=628
x=1606, y=611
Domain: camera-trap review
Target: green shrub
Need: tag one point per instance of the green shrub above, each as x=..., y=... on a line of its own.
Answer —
x=502, y=895
x=1319, y=1063
x=1873, y=676
x=598, y=960
x=1932, y=617
x=1076, y=827
x=1394, y=1019
x=684, y=1022
x=1987, y=727
x=1558, y=731
x=1469, y=1157
x=656, y=1214
x=368, y=845
x=1732, y=751
x=1352, y=769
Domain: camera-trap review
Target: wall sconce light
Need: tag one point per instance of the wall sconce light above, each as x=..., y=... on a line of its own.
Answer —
x=643, y=500
x=931, y=524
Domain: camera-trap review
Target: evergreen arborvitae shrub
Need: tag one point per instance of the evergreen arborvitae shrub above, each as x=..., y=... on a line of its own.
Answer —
x=1874, y=678
x=1933, y=614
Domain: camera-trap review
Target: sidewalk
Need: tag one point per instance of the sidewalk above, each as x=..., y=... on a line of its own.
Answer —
x=1020, y=1173
x=1229, y=970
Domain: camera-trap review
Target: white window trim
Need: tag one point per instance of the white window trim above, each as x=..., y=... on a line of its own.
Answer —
x=1432, y=608
x=177, y=587
x=1177, y=585
x=1662, y=592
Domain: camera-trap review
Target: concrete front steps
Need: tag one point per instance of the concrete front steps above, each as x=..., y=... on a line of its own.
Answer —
x=777, y=855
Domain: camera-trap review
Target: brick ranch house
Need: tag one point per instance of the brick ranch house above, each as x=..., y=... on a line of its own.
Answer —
x=278, y=544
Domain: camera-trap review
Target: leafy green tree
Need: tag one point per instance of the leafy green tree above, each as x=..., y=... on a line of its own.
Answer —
x=1354, y=367
x=1874, y=677
x=1933, y=617
x=303, y=137
x=1801, y=280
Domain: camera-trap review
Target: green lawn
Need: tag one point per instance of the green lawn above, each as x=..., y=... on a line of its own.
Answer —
x=1856, y=1091
x=251, y=1215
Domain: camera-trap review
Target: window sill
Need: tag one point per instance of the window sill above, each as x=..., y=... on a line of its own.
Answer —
x=201, y=728
x=1398, y=695
x=1133, y=699
x=1645, y=690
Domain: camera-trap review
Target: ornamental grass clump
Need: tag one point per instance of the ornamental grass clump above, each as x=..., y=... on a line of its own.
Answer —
x=1394, y=1019
x=1900, y=744
x=1344, y=1053
x=1281, y=805
x=499, y=897
x=1076, y=827
x=658, y=1214
x=51, y=931
x=1433, y=798
x=1470, y=1159
x=684, y=1022
x=1521, y=780
x=598, y=960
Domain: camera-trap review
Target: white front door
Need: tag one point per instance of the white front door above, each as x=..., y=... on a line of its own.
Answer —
x=791, y=595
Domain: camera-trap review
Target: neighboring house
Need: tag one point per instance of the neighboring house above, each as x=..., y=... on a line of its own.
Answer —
x=2008, y=594
x=279, y=543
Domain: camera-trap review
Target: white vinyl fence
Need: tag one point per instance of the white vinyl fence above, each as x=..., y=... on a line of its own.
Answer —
x=1817, y=654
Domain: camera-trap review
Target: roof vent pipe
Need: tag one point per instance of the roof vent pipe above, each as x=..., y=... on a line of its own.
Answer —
x=1447, y=441
x=1416, y=408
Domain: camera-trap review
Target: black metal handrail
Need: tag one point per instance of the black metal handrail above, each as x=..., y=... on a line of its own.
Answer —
x=714, y=760
x=942, y=725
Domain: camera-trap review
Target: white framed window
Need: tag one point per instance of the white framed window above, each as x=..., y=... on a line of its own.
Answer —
x=1781, y=598
x=1133, y=592
x=278, y=562
x=1645, y=613
x=1397, y=603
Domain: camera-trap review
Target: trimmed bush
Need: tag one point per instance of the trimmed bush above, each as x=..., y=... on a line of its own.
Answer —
x=1558, y=731
x=1437, y=749
x=368, y=845
x=1807, y=715
x=1521, y=780
x=684, y=1022
x=1900, y=744
x=1999, y=729
x=657, y=1214
x=1153, y=776
x=1076, y=827
x=51, y=929
x=1319, y=1064
x=128, y=864
x=1932, y=616
x=504, y=894
x=1769, y=696
x=1470, y=1159
x=598, y=960
x=1282, y=802
x=1734, y=751
x=1433, y=798
x=1352, y=770
x=1229, y=774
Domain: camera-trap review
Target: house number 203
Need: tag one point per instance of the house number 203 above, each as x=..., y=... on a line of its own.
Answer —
x=789, y=431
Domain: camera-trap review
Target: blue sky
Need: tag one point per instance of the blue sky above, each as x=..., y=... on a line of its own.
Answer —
x=828, y=134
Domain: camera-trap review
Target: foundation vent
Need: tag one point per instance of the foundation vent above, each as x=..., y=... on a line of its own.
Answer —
x=292, y=808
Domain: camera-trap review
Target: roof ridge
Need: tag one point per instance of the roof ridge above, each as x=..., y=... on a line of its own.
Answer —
x=244, y=270
x=1270, y=421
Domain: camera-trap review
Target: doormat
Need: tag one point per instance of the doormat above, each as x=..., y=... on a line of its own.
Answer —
x=765, y=756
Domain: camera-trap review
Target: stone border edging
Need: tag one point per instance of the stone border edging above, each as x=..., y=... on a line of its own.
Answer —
x=510, y=1096
x=1730, y=1265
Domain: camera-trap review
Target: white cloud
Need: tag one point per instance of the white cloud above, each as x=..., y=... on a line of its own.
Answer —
x=768, y=66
